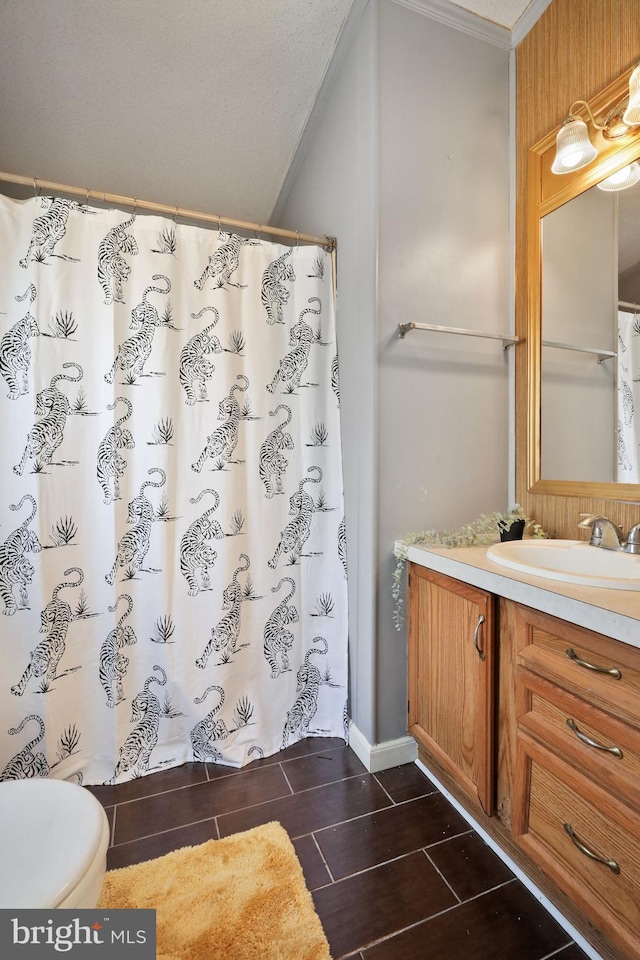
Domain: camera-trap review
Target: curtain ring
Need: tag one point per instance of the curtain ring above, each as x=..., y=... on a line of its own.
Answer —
x=86, y=202
x=36, y=191
x=259, y=231
x=219, y=223
x=135, y=201
x=297, y=239
x=175, y=216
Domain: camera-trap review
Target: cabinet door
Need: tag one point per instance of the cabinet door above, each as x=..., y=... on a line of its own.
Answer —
x=451, y=670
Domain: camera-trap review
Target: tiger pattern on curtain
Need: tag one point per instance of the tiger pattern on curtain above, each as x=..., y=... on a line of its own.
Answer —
x=172, y=544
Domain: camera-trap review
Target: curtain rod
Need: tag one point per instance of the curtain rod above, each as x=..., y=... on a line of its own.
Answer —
x=631, y=306
x=37, y=184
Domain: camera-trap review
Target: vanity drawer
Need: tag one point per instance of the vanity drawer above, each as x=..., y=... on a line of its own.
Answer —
x=605, y=672
x=602, y=747
x=551, y=794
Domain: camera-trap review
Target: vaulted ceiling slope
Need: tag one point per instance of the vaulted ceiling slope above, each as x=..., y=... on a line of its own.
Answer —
x=197, y=103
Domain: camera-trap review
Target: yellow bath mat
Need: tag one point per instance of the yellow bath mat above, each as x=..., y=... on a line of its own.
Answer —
x=240, y=898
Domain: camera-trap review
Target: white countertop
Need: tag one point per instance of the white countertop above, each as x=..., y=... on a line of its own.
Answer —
x=614, y=613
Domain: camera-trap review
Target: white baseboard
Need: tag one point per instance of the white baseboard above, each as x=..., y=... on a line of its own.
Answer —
x=524, y=879
x=381, y=756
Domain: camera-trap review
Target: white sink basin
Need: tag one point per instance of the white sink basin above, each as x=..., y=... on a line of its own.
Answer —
x=569, y=561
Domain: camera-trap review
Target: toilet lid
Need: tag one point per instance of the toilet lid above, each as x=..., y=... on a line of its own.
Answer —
x=50, y=833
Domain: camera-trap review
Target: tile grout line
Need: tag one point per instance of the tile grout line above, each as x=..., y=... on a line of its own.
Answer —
x=158, y=793
x=328, y=868
x=286, y=780
x=382, y=787
x=161, y=833
x=372, y=813
x=433, y=916
x=441, y=875
x=454, y=836
x=377, y=866
x=557, y=953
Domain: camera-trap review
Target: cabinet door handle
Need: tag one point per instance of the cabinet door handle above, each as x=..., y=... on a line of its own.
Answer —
x=612, y=864
x=610, y=671
x=476, y=634
x=614, y=751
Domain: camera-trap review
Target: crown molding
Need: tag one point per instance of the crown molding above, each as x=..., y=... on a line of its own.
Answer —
x=528, y=19
x=444, y=11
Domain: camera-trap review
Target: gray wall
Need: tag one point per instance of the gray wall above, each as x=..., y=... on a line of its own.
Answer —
x=409, y=167
x=336, y=190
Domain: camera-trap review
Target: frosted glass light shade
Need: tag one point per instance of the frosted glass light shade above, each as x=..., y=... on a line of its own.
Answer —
x=631, y=116
x=573, y=147
x=621, y=179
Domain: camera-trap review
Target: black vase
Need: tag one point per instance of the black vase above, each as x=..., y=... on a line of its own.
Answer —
x=515, y=531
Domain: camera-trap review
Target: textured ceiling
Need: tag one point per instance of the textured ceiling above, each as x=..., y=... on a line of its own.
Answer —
x=200, y=103
x=197, y=103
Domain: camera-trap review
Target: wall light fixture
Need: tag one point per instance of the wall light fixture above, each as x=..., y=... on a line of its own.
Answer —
x=631, y=115
x=574, y=149
x=621, y=179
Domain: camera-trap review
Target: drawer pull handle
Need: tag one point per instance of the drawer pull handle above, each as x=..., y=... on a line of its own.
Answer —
x=614, y=751
x=612, y=864
x=476, y=634
x=610, y=671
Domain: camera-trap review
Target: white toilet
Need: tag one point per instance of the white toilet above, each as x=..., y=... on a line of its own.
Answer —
x=53, y=845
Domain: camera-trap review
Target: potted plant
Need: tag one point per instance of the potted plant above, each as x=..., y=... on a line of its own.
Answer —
x=511, y=525
x=484, y=530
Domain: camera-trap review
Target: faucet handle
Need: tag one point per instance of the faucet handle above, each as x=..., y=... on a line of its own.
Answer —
x=632, y=543
x=587, y=520
x=604, y=532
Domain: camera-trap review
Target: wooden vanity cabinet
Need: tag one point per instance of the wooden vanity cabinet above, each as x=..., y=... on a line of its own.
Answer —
x=451, y=678
x=576, y=803
x=558, y=771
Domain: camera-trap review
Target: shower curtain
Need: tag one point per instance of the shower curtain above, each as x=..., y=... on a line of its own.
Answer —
x=172, y=544
x=628, y=427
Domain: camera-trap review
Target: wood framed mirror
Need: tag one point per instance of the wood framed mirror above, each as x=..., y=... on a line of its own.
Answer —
x=572, y=296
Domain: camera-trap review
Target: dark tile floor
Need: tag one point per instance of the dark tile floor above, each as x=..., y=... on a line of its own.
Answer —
x=395, y=872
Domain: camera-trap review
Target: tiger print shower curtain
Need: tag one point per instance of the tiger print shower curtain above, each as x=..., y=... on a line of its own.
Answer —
x=172, y=546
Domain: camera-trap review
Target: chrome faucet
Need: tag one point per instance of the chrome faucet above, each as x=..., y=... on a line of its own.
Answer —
x=608, y=535
x=604, y=532
x=632, y=543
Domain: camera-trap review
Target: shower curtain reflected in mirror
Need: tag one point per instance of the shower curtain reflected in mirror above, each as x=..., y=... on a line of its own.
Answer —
x=628, y=426
x=172, y=544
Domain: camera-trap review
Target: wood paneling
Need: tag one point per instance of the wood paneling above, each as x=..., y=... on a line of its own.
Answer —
x=575, y=50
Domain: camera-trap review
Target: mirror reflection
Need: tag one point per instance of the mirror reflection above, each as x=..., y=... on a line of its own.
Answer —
x=590, y=356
